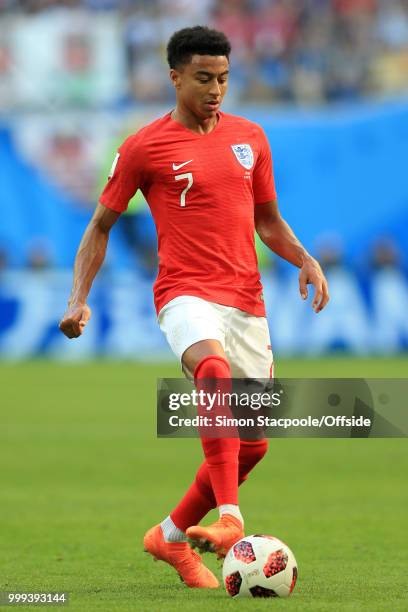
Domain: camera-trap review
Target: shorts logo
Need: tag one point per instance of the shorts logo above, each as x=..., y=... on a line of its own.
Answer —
x=244, y=155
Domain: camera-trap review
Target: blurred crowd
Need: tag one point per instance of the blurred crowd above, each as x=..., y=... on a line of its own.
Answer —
x=382, y=254
x=65, y=58
x=283, y=50
x=298, y=51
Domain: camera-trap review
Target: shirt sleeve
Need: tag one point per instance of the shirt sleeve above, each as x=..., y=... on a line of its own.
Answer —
x=125, y=176
x=263, y=181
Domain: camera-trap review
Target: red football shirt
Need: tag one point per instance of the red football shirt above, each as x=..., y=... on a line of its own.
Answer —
x=201, y=189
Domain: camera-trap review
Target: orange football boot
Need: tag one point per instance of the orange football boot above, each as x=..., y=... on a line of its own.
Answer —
x=185, y=561
x=218, y=537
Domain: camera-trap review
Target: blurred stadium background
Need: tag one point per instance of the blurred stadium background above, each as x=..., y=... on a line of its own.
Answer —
x=327, y=79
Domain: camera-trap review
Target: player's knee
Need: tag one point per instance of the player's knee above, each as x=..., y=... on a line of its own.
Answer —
x=252, y=451
x=212, y=366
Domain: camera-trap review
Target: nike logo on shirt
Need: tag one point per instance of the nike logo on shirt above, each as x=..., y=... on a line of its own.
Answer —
x=177, y=166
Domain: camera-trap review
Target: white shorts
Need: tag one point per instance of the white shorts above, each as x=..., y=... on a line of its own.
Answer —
x=245, y=338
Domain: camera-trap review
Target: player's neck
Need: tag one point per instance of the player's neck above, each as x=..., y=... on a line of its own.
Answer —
x=193, y=123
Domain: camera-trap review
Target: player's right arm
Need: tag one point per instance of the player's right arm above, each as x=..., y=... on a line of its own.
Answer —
x=88, y=261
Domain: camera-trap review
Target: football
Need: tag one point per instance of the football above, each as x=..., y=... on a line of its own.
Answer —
x=259, y=566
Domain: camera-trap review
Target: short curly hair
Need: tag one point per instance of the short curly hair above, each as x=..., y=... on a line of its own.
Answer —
x=198, y=40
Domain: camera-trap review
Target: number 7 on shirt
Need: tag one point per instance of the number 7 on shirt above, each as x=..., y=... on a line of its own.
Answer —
x=189, y=177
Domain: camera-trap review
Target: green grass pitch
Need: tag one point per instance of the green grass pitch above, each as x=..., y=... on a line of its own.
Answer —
x=83, y=476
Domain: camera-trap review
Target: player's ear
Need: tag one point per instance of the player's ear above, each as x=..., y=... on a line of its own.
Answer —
x=175, y=77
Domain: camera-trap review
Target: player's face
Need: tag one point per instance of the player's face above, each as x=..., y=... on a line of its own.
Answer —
x=202, y=84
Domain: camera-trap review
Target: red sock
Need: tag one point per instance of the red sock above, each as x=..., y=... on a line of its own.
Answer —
x=250, y=453
x=213, y=375
x=199, y=499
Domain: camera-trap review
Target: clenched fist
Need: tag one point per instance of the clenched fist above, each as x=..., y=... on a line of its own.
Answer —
x=74, y=320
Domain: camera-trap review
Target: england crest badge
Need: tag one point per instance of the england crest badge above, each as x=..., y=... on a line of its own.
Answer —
x=244, y=155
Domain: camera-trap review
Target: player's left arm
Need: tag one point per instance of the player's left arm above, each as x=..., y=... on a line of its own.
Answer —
x=279, y=237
